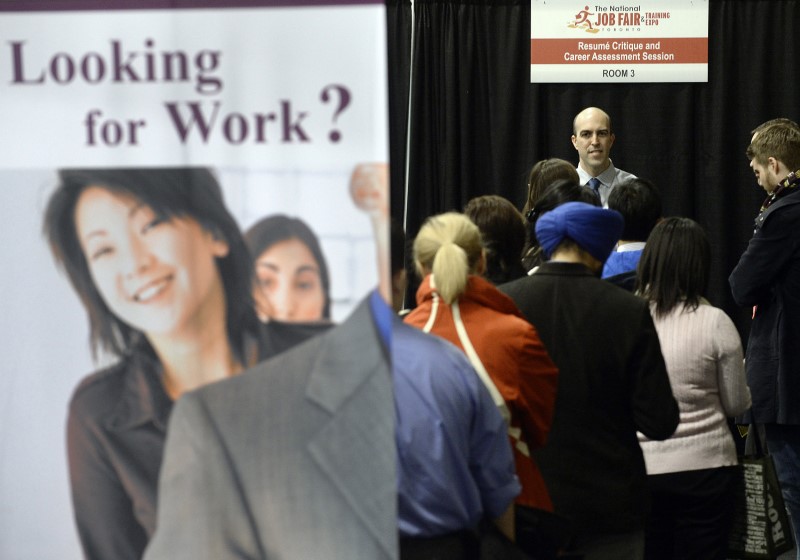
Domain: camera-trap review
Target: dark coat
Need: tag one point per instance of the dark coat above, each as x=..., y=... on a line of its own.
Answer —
x=612, y=382
x=768, y=277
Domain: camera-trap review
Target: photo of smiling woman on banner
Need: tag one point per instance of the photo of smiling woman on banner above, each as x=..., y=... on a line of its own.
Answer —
x=166, y=280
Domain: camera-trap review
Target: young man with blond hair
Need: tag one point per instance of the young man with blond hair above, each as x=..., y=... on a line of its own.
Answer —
x=767, y=278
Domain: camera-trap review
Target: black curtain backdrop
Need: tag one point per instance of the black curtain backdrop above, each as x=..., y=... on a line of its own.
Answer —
x=477, y=124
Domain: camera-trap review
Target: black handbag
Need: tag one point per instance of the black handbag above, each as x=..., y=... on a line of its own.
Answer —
x=761, y=529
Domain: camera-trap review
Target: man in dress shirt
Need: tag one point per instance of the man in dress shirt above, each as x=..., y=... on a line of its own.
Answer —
x=593, y=137
x=455, y=465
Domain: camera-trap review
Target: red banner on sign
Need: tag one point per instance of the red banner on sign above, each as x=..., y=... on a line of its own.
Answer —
x=673, y=50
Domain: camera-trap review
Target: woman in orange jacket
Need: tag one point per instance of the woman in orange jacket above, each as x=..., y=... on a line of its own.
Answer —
x=456, y=303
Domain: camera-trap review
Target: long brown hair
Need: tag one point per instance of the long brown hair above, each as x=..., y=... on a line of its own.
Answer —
x=543, y=174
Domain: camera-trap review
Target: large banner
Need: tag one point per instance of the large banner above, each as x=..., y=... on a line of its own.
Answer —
x=619, y=41
x=144, y=153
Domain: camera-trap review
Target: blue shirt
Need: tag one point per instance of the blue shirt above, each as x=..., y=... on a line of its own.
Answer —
x=455, y=462
x=621, y=261
x=383, y=317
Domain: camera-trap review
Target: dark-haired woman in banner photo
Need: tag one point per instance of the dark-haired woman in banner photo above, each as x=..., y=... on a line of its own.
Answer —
x=292, y=280
x=166, y=279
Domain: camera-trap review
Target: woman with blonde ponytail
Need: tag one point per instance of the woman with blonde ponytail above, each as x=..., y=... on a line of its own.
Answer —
x=457, y=304
x=449, y=247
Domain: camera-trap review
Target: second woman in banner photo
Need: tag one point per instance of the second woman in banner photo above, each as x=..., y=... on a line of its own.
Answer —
x=292, y=280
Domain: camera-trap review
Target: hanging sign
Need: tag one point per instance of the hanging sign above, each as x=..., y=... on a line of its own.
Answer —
x=640, y=41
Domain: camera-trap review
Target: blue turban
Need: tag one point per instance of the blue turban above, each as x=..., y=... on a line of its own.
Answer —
x=595, y=230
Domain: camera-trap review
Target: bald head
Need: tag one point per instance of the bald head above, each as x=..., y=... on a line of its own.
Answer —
x=592, y=138
x=591, y=113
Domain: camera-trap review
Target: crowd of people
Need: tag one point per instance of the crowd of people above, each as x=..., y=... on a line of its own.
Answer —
x=639, y=459
x=573, y=396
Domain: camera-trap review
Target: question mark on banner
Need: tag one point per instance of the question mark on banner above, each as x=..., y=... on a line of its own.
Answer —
x=344, y=100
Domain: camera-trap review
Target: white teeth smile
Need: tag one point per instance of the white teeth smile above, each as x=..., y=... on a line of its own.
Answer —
x=150, y=291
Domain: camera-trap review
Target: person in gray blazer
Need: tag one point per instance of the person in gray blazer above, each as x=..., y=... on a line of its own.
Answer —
x=293, y=459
